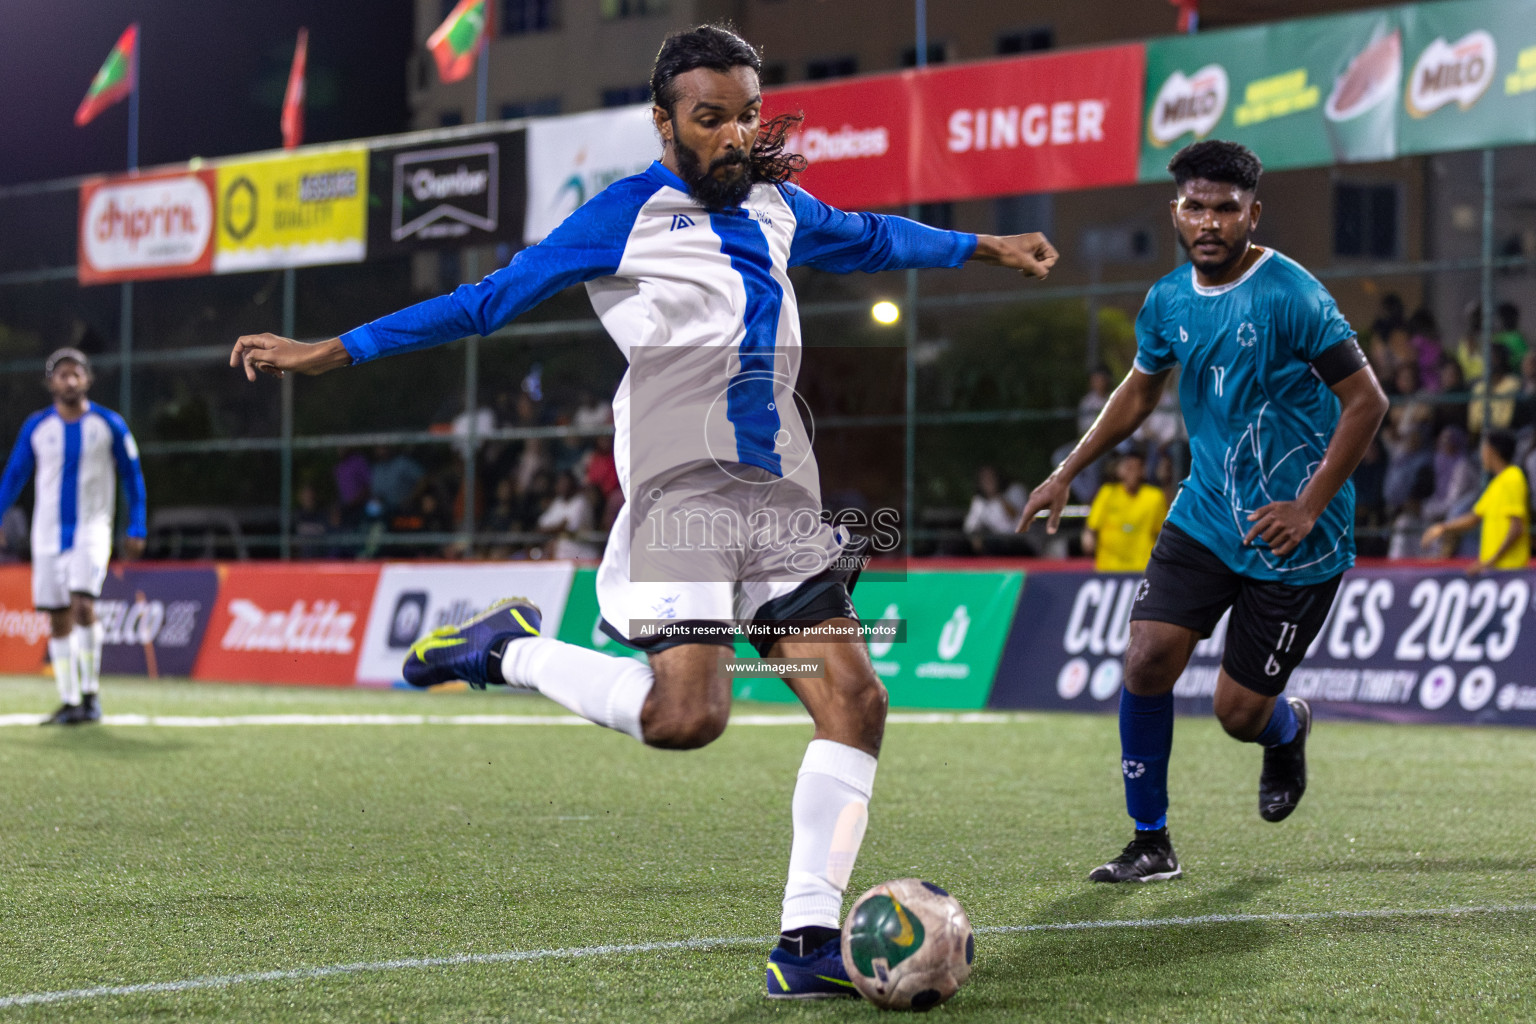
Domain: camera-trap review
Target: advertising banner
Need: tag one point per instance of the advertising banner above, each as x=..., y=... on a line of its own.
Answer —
x=23, y=629
x=457, y=192
x=857, y=136
x=1034, y=124
x=292, y=211
x=285, y=623
x=145, y=226
x=1400, y=645
x=153, y=619
x=1470, y=76
x=413, y=600
x=571, y=159
x=1299, y=94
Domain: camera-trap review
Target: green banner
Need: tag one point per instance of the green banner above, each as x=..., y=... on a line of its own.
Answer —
x=957, y=623
x=1469, y=75
x=1299, y=94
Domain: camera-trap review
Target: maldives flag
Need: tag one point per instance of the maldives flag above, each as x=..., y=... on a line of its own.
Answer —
x=115, y=80
x=457, y=41
x=293, y=99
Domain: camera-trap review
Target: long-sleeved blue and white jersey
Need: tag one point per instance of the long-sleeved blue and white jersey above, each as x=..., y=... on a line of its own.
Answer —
x=77, y=465
x=699, y=302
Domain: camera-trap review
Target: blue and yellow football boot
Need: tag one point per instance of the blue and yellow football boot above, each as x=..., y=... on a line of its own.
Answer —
x=462, y=651
x=817, y=975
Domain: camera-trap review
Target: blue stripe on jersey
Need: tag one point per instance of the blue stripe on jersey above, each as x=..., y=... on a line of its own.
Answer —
x=69, y=485
x=749, y=396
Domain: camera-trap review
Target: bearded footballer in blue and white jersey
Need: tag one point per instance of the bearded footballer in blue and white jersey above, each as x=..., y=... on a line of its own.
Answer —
x=1281, y=406
x=76, y=452
x=687, y=266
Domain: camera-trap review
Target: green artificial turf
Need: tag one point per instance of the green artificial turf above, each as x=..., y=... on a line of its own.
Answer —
x=156, y=854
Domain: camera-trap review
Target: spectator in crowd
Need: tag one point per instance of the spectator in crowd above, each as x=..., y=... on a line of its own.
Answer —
x=1452, y=405
x=311, y=523
x=424, y=512
x=1469, y=349
x=485, y=422
x=1100, y=383
x=568, y=516
x=990, y=520
x=533, y=460
x=1370, y=506
x=1389, y=329
x=592, y=412
x=1163, y=429
x=1390, y=318
x=1126, y=517
x=1409, y=462
x=1408, y=515
x=1500, y=399
x=1503, y=512
x=1411, y=409
x=15, y=539
x=354, y=477
x=1509, y=334
x=396, y=477
x=603, y=474
x=1455, y=474
x=1424, y=336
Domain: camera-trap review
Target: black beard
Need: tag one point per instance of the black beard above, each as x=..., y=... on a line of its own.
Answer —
x=710, y=191
x=1235, y=254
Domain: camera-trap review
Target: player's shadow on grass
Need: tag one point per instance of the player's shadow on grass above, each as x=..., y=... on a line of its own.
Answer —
x=1098, y=901
x=92, y=740
x=1428, y=865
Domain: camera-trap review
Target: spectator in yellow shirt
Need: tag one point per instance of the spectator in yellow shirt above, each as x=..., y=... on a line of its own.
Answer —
x=1504, y=511
x=1125, y=518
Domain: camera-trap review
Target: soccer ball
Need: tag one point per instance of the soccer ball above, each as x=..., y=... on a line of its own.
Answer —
x=907, y=945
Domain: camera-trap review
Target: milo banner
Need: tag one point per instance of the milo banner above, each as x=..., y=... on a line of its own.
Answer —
x=1400, y=645
x=1469, y=75
x=292, y=211
x=1299, y=94
x=956, y=623
x=449, y=193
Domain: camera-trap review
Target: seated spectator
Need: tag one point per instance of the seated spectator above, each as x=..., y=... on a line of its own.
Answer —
x=1469, y=348
x=1100, y=383
x=1509, y=334
x=1369, y=477
x=601, y=469
x=1126, y=517
x=1503, y=512
x=1164, y=428
x=1408, y=457
x=1455, y=474
x=1500, y=401
x=310, y=523
x=1452, y=405
x=1390, y=318
x=991, y=519
x=1424, y=336
x=531, y=461
x=568, y=516
x=15, y=542
x=353, y=476
x=1411, y=410
x=396, y=476
x=592, y=412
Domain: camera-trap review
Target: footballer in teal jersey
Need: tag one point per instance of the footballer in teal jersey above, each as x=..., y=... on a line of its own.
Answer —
x=1280, y=405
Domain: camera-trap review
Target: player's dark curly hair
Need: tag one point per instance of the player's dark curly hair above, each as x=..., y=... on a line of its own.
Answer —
x=1504, y=443
x=1215, y=160
x=720, y=49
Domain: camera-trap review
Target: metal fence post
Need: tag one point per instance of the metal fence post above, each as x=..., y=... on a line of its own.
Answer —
x=1487, y=293
x=285, y=487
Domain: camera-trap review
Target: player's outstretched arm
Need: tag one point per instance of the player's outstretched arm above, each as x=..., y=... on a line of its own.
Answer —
x=1132, y=402
x=1285, y=524
x=275, y=355
x=1032, y=253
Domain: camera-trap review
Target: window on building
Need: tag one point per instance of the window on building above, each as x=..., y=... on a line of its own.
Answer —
x=545, y=106
x=626, y=95
x=519, y=17
x=1029, y=40
x=831, y=67
x=615, y=9
x=938, y=53
x=774, y=74
x=1015, y=215
x=1366, y=220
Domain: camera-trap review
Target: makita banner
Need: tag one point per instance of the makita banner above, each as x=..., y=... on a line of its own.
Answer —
x=146, y=226
x=287, y=623
x=451, y=193
x=1400, y=645
x=153, y=618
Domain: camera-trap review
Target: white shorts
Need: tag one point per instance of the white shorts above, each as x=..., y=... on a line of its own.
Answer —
x=80, y=570
x=710, y=546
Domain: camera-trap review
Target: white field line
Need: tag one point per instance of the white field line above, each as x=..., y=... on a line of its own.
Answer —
x=228, y=721
x=585, y=952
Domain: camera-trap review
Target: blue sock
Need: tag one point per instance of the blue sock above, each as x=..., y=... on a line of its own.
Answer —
x=1281, y=728
x=1146, y=739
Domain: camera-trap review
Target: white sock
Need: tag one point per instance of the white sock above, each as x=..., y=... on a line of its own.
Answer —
x=88, y=641
x=61, y=652
x=831, y=809
x=600, y=688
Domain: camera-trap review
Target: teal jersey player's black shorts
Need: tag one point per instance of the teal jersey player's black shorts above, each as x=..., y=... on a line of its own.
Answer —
x=1272, y=623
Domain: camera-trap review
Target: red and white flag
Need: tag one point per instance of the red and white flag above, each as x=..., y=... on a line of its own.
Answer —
x=293, y=98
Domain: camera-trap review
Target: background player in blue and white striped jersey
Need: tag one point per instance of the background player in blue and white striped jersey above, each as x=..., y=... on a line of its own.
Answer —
x=1281, y=406
x=687, y=266
x=75, y=451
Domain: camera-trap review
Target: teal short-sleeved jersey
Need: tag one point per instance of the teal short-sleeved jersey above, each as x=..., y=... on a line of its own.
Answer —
x=1259, y=417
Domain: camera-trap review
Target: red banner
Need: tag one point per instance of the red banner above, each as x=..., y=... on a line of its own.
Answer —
x=300, y=624
x=1030, y=124
x=146, y=226
x=23, y=629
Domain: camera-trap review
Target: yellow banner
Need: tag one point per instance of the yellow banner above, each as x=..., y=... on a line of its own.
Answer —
x=292, y=211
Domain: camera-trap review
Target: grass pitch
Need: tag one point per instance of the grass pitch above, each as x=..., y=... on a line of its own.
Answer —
x=154, y=854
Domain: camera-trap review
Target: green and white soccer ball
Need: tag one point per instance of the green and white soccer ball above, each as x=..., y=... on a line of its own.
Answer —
x=907, y=945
